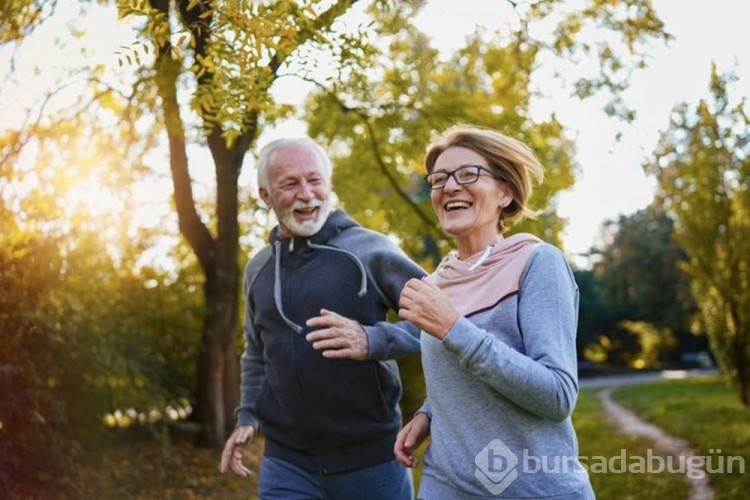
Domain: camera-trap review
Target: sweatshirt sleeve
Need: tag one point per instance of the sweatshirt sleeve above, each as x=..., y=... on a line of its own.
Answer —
x=543, y=380
x=392, y=340
x=390, y=268
x=252, y=369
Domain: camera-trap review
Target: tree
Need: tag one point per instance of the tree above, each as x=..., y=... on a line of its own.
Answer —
x=82, y=335
x=703, y=170
x=594, y=319
x=33, y=419
x=641, y=290
x=21, y=17
x=378, y=122
x=88, y=325
x=235, y=52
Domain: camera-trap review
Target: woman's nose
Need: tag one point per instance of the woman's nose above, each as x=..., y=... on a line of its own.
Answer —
x=451, y=184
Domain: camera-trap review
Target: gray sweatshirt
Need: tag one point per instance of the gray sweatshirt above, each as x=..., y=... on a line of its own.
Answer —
x=501, y=388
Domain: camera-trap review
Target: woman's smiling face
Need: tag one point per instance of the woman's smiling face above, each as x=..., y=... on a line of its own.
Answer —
x=469, y=212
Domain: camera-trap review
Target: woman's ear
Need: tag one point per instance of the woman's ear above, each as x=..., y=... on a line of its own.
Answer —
x=506, y=199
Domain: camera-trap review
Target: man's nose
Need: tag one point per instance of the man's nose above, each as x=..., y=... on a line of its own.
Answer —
x=305, y=191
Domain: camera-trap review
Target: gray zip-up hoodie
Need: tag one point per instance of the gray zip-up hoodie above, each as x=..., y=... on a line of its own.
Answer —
x=324, y=415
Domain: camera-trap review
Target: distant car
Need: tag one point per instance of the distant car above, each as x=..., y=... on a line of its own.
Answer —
x=697, y=359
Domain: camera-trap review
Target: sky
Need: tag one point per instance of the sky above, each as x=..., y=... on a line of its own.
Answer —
x=610, y=180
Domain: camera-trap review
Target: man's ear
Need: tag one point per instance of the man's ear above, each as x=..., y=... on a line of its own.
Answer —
x=263, y=192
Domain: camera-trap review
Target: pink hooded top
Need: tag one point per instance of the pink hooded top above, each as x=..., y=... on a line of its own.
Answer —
x=473, y=284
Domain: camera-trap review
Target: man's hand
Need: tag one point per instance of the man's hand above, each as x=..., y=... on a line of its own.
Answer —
x=339, y=337
x=231, y=457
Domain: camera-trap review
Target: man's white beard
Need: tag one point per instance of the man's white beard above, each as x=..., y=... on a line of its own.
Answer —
x=308, y=227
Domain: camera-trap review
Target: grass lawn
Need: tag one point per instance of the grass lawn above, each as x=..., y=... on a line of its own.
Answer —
x=708, y=414
x=704, y=411
x=599, y=443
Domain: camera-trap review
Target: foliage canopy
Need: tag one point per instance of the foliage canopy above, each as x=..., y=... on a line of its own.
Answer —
x=702, y=165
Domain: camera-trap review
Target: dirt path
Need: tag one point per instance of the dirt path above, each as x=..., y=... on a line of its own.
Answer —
x=629, y=423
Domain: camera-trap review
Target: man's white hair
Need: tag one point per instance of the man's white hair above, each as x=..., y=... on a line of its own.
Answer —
x=264, y=158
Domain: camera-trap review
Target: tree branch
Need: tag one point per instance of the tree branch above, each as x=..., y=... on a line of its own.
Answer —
x=375, y=147
x=191, y=226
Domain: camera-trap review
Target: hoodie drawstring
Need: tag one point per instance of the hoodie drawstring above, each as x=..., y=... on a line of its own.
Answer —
x=482, y=258
x=277, y=279
x=277, y=291
x=363, y=273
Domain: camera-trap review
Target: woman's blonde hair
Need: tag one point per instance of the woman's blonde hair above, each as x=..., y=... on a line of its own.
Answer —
x=509, y=158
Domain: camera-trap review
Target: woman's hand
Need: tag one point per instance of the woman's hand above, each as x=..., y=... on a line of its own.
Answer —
x=410, y=437
x=425, y=305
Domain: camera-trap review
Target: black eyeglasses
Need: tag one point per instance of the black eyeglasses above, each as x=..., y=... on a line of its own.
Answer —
x=468, y=174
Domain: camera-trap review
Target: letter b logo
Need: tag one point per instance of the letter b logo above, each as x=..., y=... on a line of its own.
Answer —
x=496, y=466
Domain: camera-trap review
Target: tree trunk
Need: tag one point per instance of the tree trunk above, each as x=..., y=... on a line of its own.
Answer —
x=217, y=377
x=218, y=381
x=218, y=384
x=743, y=375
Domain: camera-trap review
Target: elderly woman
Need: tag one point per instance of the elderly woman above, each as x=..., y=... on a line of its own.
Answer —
x=498, y=320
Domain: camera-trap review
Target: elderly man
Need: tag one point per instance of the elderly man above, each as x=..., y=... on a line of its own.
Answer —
x=323, y=389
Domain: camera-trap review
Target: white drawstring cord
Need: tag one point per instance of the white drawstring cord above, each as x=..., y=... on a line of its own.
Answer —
x=482, y=258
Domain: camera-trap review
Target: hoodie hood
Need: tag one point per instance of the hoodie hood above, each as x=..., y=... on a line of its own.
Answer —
x=484, y=279
x=298, y=246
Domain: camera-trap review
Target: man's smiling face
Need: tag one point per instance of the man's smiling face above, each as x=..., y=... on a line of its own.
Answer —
x=299, y=190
